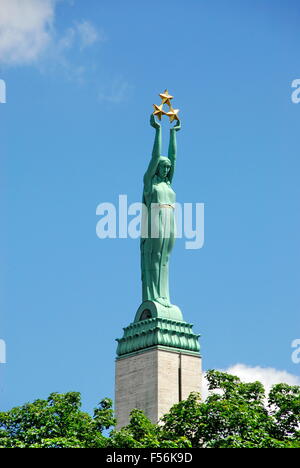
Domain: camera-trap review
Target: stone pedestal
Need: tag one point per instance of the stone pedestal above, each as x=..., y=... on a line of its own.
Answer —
x=153, y=380
x=158, y=363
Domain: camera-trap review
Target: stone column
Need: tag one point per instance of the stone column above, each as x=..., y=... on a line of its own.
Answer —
x=153, y=380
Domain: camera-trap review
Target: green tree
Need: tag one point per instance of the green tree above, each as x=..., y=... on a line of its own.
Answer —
x=235, y=415
x=56, y=422
x=141, y=433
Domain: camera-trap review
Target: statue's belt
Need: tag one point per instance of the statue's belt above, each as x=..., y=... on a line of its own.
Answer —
x=165, y=205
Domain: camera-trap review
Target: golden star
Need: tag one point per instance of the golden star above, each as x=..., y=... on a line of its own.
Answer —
x=166, y=97
x=158, y=110
x=172, y=114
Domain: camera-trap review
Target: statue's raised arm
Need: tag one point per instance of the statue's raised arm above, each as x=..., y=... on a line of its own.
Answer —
x=173, y=149
x=156, y=152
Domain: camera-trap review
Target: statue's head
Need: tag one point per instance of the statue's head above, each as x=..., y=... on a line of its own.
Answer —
x=163, y=167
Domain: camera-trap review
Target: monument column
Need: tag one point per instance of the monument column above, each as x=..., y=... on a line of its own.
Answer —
x=158, y=358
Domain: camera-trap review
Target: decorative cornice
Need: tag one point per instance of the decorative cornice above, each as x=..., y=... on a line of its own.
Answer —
x=158, y=332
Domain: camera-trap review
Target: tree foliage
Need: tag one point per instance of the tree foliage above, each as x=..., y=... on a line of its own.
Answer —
x=238, y=416
x=56, y=422
x=235, y=415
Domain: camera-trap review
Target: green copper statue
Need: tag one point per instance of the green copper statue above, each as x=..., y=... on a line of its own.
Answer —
x=159, y=198
x=157, y=322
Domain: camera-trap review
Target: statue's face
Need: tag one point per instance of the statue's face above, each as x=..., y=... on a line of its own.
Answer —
x=163, y=169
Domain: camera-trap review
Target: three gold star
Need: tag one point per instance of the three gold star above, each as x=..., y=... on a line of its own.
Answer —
x=166, y=99
x=158, y=110
x=172, y=114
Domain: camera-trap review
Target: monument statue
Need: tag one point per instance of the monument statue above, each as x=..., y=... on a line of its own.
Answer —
x=158, y=361
x=158, y=226
x=159, y=198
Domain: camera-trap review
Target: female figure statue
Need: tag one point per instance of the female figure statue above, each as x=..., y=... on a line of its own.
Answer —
x=159, y=235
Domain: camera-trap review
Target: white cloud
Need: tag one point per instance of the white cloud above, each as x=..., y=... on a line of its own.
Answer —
x=28, y=37
x=27, y=33
x=88, y=34
x=82, y=33
x=268, y=376
x=25, y=29
x=66, y=41
x=118, y=91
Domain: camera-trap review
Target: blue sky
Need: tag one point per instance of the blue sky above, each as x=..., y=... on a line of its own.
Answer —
x=81, y=79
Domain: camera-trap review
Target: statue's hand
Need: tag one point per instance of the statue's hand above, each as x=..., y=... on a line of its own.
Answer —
x=177, y=126
x=153, y=122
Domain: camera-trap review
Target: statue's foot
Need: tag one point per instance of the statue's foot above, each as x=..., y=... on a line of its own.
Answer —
x=163, y=301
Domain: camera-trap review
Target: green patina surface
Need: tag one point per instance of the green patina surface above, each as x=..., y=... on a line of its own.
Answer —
x=158, y=332
x=158, y=322
x=158, y=232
